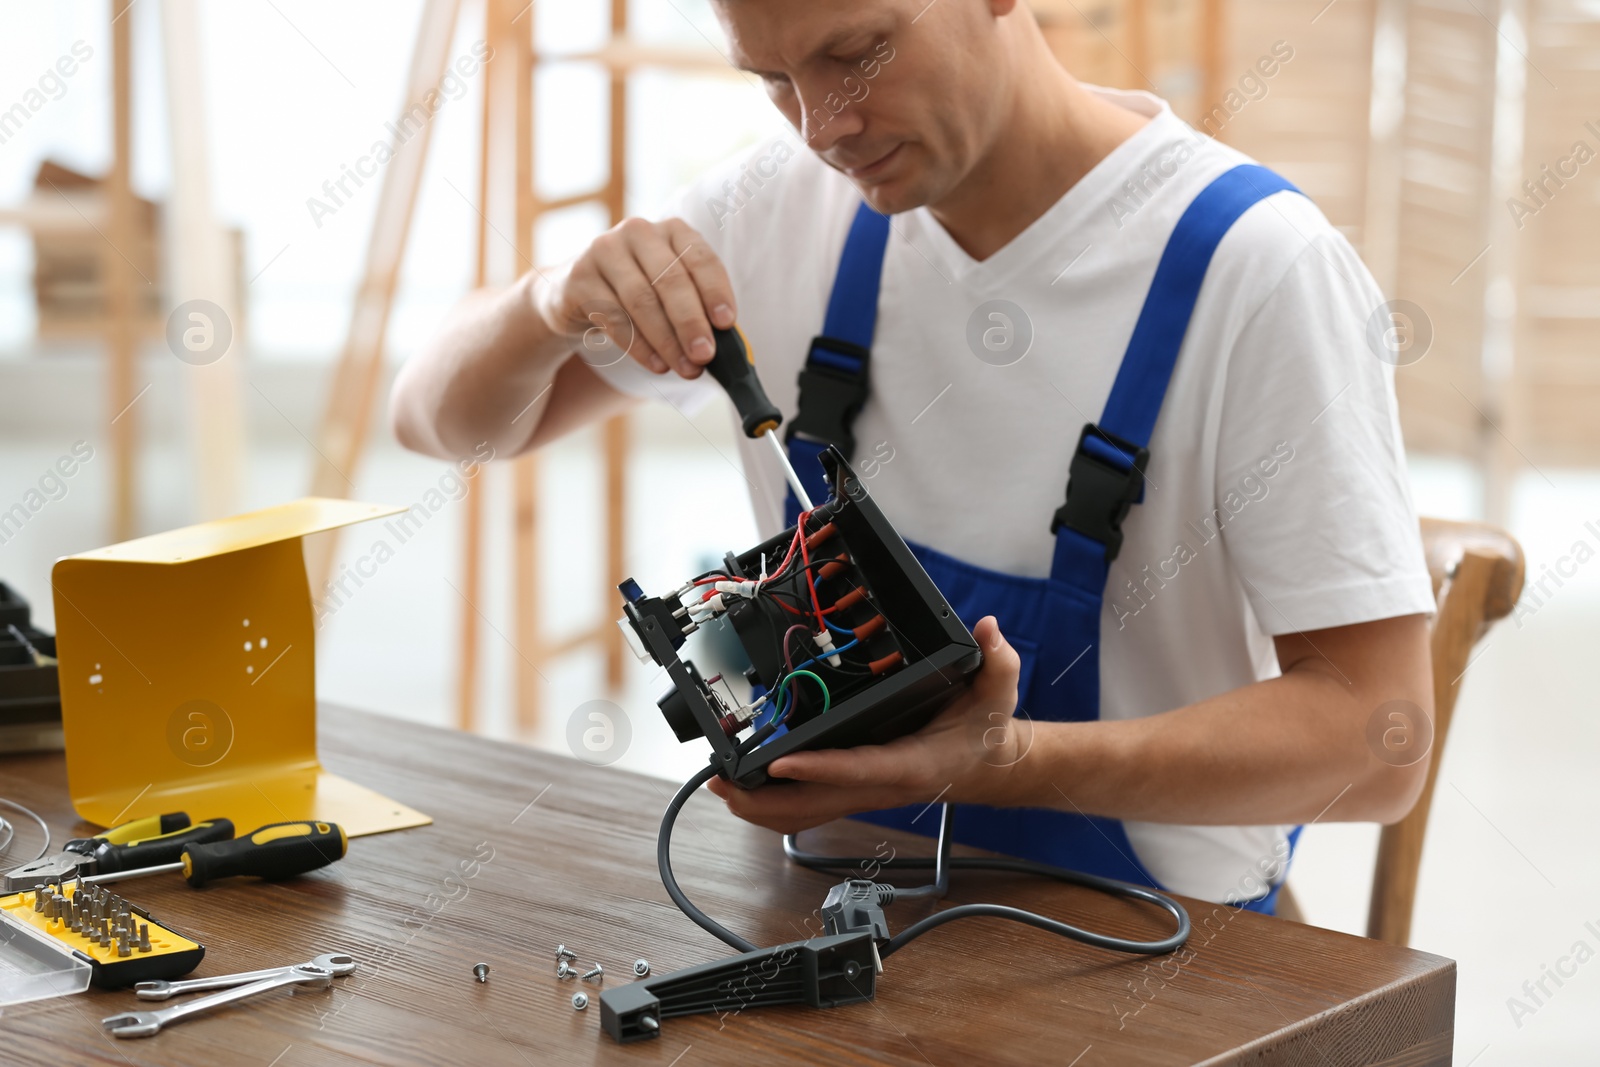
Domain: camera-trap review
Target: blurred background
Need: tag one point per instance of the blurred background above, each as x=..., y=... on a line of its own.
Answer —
x=279, y=169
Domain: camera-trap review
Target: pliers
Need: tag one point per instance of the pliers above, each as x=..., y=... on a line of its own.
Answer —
x=145, y=842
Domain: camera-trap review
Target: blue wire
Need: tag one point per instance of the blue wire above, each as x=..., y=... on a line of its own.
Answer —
x=813, y=659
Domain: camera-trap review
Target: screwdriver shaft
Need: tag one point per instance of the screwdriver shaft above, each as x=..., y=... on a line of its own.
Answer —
x=117, y=876
x=788, y=469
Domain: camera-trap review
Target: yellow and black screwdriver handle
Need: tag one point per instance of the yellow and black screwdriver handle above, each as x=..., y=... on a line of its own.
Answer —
x=279, y=850
x=734, y=368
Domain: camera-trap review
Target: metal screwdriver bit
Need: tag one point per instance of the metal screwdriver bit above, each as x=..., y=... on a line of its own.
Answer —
x=144, y=937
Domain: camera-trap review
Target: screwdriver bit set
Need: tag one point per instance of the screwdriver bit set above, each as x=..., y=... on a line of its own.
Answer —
x=60, y=937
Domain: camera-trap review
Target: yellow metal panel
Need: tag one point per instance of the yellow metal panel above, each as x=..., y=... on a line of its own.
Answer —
x=191, y=685
x=307, y=515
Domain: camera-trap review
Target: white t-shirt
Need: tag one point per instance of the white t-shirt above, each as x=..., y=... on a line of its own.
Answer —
x=1277, y=498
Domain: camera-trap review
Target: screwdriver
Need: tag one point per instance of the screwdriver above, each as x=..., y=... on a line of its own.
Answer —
x=734, y=368
x=277, y=850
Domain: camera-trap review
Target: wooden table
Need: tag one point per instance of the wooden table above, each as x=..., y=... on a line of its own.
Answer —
x=529, y=850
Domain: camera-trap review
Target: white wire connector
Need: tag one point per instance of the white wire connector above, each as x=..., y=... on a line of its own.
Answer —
x=712, y=606
x=717, y=603
x=824, y=640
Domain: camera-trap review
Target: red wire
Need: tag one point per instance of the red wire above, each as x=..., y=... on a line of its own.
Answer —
x=799, y=527
x=805, y=558
x=829, y=610
x=792, y=610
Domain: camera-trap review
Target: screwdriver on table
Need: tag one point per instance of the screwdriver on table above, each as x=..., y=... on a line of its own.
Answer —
x=278, y=850
x=734, y=368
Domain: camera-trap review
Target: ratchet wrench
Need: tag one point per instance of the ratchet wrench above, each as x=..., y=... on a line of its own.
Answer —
x=337, y=963
x=146, y=1023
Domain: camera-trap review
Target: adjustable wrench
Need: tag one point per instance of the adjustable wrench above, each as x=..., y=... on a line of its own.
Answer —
x=146, y=1023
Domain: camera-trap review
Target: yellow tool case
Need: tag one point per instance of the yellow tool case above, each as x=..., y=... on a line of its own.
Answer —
x=50, y=946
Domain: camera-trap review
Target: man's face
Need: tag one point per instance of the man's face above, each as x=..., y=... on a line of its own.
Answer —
x=901, y=96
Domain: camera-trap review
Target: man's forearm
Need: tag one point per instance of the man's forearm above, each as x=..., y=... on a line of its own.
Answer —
x=486, y=376
x=1286, y=750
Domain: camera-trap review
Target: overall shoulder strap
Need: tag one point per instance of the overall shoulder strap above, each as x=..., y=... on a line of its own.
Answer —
x=1107, y=472
x=835, y=380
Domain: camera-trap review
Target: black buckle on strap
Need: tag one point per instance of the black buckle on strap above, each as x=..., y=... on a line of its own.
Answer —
x=1099, y=493
x=831, y=397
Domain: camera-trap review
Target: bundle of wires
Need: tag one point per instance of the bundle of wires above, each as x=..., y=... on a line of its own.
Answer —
x=775, y=708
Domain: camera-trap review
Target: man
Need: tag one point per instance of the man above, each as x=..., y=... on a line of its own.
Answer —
x=959, y=213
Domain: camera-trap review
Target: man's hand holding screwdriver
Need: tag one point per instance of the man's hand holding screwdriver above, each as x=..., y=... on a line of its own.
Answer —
x=501, y=369
x=663, y=275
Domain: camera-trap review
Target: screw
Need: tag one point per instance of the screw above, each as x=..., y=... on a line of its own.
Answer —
x=563, y=953
x=563, y=971
x=641, y=967
x=594, y=975
x=649, y=1022
x=481, y=971
x=580, y=1001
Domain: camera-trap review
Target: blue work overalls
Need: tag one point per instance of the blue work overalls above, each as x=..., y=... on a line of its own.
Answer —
x=1054, y=620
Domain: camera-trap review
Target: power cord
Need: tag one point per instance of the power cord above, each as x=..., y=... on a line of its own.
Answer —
x=942, y=864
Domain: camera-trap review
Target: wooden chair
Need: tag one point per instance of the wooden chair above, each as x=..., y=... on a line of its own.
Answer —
x=1477, y=575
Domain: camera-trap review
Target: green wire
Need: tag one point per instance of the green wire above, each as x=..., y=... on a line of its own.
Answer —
x=783, y=691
